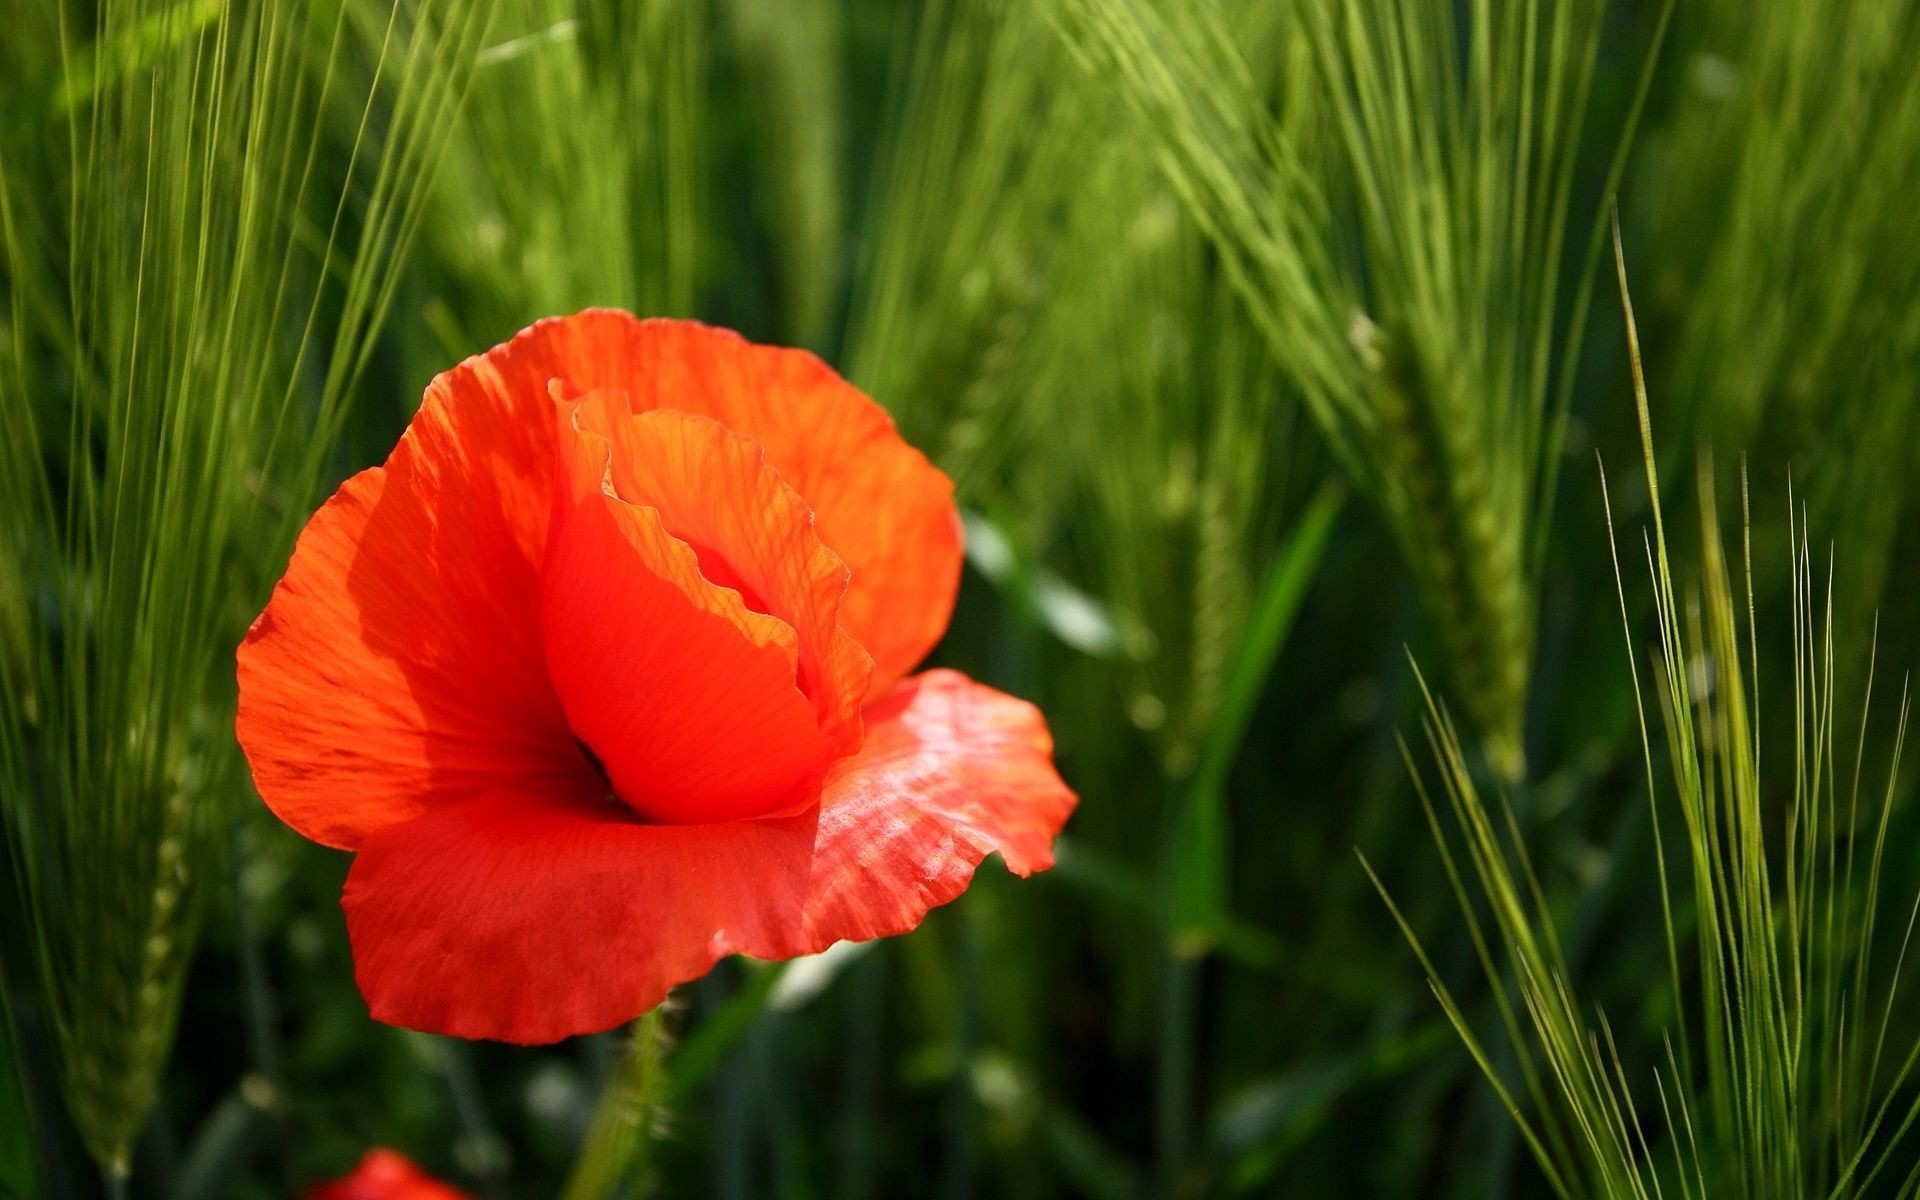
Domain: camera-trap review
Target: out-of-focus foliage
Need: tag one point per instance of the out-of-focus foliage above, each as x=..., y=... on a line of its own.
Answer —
x=1783, y=258
x=1159, y=285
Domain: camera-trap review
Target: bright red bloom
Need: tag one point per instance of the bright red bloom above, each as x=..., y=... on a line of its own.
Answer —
x=601, y=676
x=385, y=1175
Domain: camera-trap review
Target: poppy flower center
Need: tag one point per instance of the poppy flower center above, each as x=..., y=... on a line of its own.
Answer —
x=599, y=768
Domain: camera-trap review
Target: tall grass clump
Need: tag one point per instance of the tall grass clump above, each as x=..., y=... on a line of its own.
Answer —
x=575, y=174
x=1393, y=189
x=984, y=152
x=200, y=219
x=1040, y=310
x=1778, y=1062
x=1182, y=440
x=1035, y=305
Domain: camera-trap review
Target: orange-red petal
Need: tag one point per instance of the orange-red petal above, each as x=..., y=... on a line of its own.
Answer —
x=522, y=920
x=951, y=771
x=398, y=665
x=752, y=532
x=385, y=1175
x=689, y=698
x=878, y=503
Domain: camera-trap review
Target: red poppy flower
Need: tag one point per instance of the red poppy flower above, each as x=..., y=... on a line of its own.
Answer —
x=603, y=676
x=385, y=1175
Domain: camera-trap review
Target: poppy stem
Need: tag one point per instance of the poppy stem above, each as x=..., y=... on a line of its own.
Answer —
x=616, y=1145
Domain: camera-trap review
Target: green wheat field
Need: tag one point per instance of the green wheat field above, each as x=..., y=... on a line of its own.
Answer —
x=1448, y=471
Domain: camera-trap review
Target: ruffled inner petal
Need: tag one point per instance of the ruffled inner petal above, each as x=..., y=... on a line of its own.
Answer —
x=751, y=533
x=689, y=698
x=878, y=503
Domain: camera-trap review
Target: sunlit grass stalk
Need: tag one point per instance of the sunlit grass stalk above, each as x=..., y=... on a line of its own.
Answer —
x=1775, y=1077
x=187, y=311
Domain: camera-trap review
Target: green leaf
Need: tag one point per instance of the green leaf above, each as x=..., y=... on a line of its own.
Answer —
x=1198, y=914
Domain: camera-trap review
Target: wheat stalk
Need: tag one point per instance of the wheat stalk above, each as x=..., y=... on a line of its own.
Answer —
x=1396, y=228
x=177, y=278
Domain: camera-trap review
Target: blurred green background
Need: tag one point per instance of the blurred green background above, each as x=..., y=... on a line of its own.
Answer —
x=1268, y=344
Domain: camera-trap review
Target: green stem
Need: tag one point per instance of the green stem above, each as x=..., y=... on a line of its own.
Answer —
x=617, y=1142
x=1173, y=1092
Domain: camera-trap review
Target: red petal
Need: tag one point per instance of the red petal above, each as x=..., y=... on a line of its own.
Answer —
x=879, y=504
x=386, y=1175
x=951, y=771
x=688, y=697
x=529, y=921
x=398, y=665
x=751, y=532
